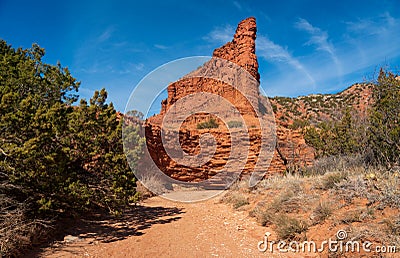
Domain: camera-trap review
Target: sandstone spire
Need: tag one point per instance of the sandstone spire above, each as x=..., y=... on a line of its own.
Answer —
x=241, y=50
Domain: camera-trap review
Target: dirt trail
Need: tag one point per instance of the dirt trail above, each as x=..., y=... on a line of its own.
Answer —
x=162, y=228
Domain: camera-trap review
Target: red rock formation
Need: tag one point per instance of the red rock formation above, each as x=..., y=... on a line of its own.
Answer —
x=290, y=148
x=242, y=49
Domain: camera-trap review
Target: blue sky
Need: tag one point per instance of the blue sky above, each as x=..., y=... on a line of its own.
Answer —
x=303, y=46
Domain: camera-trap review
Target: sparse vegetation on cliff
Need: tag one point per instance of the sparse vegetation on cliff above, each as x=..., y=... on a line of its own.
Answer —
x=209, y=124
x=235, y=124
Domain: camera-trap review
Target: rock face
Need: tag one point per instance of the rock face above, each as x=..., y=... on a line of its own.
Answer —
x=242, y=49
x=217, y=78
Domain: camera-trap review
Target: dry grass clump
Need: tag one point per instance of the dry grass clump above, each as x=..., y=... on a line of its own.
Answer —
x=322, y=211
x=237, y=194
x=237, y=199
x=285, y=226
x=393, y=230
x=330, y=180
x=279, y=182
x=242, y=186
x=263, y=214
x=388, y=185
x=265, y=217
x=149, y=185
x=17, y=232
x=352, y=216
x=393, y=225
x=288, y=227
x=289, y=201
x=355, y=186
x=335, y=163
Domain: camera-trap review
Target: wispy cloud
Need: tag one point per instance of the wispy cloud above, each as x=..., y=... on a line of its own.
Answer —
x=375, y=38
x=237, y=5
x=220, y=35
x=160, y=46
x=373, y=26
x=273, y=52
x=318, y=37
x=107, y=33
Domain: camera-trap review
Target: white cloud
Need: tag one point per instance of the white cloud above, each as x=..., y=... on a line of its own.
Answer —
x=273, y=52
x=220, y=35
x=160, y=46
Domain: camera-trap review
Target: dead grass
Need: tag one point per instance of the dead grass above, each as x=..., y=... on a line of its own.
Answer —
x=330, y=180
x=393, y=230
x=322, y=211
x=263, y=214
x=149, y=185
x=237, y=199
x=289, y=228
x=388, y=185
x=17, y=232
x=393, y=225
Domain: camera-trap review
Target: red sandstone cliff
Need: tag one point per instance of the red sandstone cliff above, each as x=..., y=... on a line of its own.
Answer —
x=290, y=147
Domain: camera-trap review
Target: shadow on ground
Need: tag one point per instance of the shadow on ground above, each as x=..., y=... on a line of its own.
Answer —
x=106, y=228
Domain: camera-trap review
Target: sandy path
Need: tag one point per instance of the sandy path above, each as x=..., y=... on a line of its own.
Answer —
x=170, y=229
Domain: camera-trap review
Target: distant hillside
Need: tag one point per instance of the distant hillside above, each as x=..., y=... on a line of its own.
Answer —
x=314, y=108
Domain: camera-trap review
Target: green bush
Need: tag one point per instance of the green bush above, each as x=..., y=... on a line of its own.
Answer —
x=63, y=158
x=299, y=123
x=343, y=137
x=211, y=123
x=384, y=118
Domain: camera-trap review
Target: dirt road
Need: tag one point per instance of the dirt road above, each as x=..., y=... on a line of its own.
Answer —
x=162, y=228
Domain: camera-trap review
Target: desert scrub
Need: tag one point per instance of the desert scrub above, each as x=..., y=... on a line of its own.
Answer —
x=393, y=225
x=330, y=180
x=288, y=227
x=237, y=199
x=284, y=202
x=293, y=182
x=263, y=214
x=388, y=185
x=322, y=212
x=357, y=215
x=353, y=187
